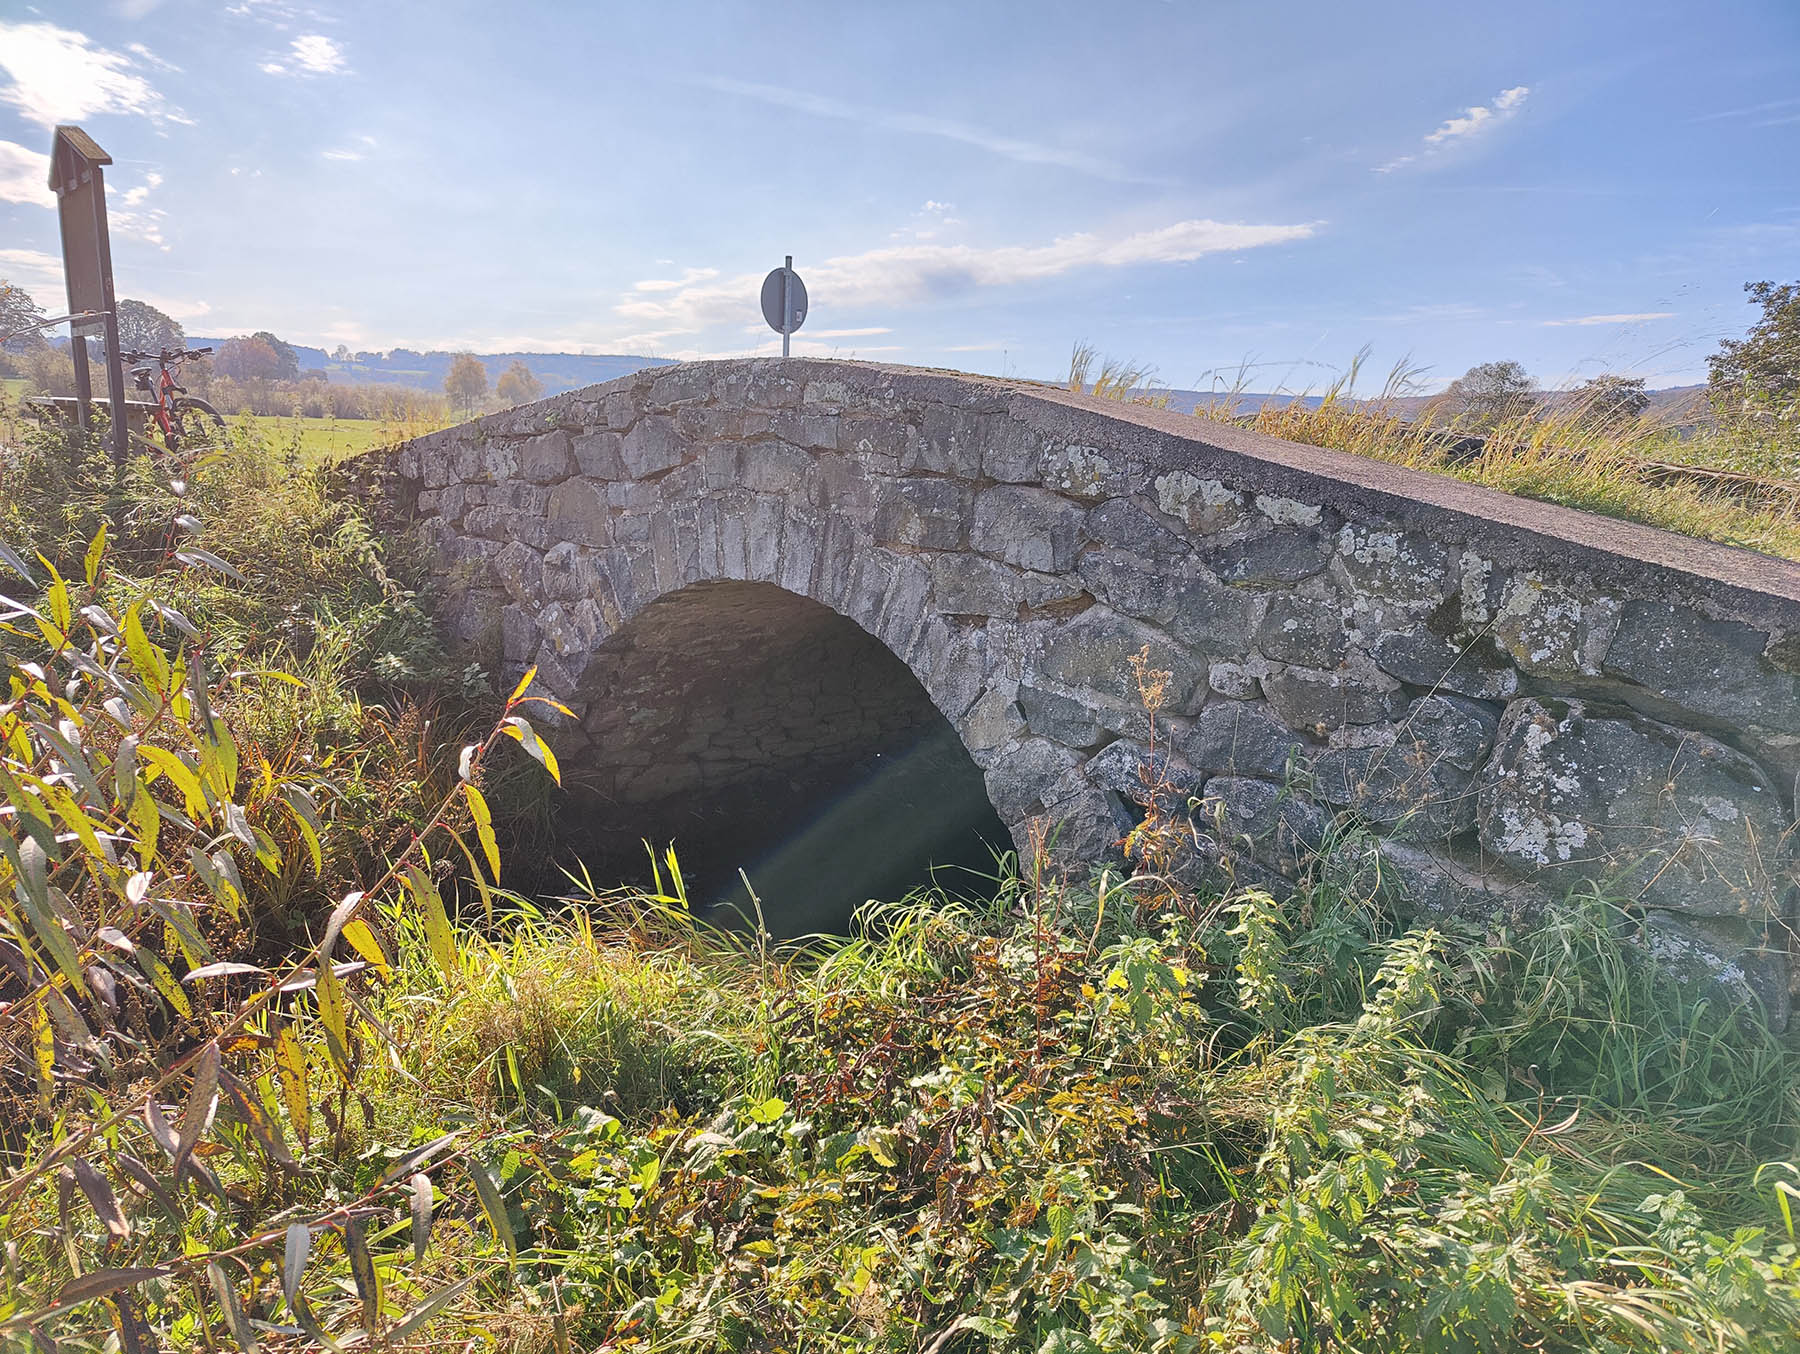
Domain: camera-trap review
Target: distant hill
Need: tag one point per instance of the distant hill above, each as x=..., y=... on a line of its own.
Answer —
x=426, y=371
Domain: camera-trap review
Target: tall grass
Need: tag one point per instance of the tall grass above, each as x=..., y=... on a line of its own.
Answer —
x=1558, y=453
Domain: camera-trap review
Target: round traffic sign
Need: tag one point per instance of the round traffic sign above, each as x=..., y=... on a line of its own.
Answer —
x=772, y=303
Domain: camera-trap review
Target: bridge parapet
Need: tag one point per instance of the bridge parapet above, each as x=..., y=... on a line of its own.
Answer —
x=1513, y=697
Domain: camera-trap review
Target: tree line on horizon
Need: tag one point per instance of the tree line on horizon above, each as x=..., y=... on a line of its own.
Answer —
x=1753, y=383
x=257, y=373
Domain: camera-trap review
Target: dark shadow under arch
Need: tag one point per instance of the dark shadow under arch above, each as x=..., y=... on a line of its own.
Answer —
x=760, y=730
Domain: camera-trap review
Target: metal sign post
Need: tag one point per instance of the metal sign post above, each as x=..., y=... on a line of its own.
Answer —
x=80, y=188
x=784, y=301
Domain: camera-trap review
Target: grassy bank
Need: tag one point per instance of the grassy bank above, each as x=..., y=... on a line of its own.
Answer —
x=282, y=1066
x=1566, y=456
x=310, y=440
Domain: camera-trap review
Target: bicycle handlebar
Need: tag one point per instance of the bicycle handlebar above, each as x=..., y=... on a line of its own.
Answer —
x=165, y=356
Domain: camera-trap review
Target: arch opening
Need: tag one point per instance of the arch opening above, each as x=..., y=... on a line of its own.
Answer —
x=760, y=730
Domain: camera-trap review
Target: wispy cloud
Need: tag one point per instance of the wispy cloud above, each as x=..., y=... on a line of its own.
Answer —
x=132, y=219
x=24, y=174
x=1773, y=113
x=1639, y=318
x=1464, y=128
x=58, y=75
x=310, y=54
x=364, y=144
x=922, y=124
x=910, y=274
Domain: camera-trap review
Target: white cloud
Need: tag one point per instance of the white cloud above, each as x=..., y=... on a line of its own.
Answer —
x=134, y=196
x=909, y=274
x=688, y=277
x=310, y=54
x=58, y=75
x=23, y=175
x=852, y=333
x=38, y=273
x=1472, y=123
x=1011, y=148
x=1639, y=318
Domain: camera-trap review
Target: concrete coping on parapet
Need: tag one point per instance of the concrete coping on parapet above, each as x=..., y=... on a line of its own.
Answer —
x=1502, y=527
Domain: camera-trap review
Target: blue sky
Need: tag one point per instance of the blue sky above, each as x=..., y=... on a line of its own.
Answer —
x=1581, y=187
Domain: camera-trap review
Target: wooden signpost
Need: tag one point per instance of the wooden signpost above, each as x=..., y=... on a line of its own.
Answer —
x=80, y=188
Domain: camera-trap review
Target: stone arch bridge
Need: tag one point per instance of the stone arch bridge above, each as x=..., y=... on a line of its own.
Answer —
x=879, y=609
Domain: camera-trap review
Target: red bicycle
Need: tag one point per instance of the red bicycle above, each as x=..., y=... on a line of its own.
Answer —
x=188, y=423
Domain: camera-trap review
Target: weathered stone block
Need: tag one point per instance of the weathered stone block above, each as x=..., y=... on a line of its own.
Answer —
x=1280, y=555
x=993, y=720
x=489, y=523
x=1207, y=615
x=1306, y=630
x=572, y=631
x=518, y=633
x=621, y=410
x=1273, y=825
x=600, y=455
x=1052, y=715
x=546, y=459
x=880, y=442
x=1421, y=786
x=1019, y=777
x=1032, y=528
x=1476, y=670
x=520, y=570
x=1206, y=506
x=652, y=445
x=1669, y=818
x=1549, y=628
x=1009, y=449
x=1094, y=651
x=1084, y=472
x=1713, y=669
x=568, y=574
x=949, y=443
x=933, y=513
x=970, y=585
x=1141, y=776
x=494, y=462
x=774, y=468
x=1244, y=739
x=1316, y=700
x=1402, y=568
x=1126, y=524
x=1741, y=960
x=1432, y=883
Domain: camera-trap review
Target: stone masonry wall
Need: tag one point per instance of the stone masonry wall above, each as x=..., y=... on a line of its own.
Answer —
x=1515, y=697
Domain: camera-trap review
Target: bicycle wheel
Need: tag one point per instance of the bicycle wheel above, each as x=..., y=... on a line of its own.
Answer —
x=196, y=426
